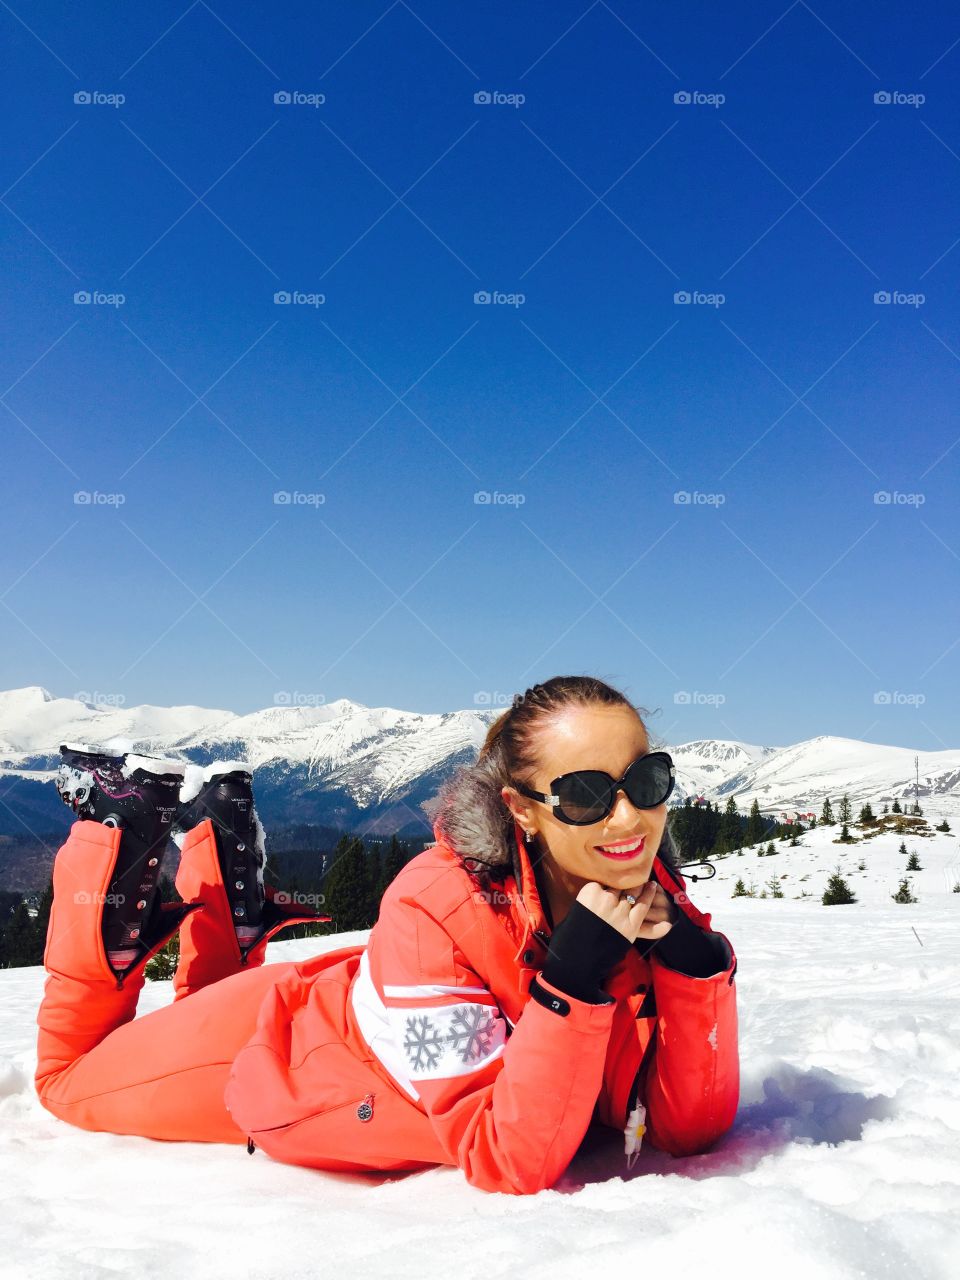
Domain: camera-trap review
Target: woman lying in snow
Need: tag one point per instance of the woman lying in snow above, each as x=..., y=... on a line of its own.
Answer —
x=539, y=967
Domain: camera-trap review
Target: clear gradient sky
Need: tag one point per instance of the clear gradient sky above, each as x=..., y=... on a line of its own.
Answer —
x=780, y=602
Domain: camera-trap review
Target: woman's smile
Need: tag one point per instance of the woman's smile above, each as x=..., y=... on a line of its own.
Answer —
x=623, y=850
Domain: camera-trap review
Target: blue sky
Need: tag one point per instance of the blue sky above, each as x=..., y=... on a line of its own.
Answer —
x=778, y=603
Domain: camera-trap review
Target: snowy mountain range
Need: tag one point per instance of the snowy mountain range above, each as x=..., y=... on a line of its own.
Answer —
x=376, y=769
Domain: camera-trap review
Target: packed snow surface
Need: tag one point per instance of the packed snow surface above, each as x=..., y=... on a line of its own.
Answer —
x=844, y=1160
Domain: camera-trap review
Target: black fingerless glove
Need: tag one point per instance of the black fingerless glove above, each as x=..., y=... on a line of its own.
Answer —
x=691, y=950
x=582, y=951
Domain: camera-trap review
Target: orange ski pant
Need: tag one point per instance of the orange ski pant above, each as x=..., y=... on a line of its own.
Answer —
x=162, y=1075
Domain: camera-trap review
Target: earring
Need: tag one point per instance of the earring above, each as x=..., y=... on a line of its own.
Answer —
x=529, y=837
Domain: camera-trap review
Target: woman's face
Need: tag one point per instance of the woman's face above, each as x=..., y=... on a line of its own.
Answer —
x=592, y=737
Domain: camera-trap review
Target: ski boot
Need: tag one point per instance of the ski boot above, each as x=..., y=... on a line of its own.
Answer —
x=222, y=859
x=139, y=795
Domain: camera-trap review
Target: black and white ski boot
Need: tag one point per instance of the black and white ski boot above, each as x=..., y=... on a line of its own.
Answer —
x=139, y=795
x=223, y=792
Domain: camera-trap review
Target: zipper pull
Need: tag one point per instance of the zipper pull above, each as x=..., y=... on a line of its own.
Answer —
x=633, y=1134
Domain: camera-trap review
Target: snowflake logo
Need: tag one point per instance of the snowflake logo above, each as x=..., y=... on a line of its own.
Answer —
x=471, y=1031
x=423, y=1043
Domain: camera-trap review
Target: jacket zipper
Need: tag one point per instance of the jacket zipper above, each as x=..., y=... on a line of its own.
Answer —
x=635, y=1127
x=292, y=1124
x=636, y=1112
x=633, y=1134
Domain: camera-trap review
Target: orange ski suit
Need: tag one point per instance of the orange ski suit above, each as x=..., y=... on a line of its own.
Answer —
x=423, y=1047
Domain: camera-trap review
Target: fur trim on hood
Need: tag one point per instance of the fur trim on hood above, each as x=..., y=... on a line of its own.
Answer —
x=471, y=817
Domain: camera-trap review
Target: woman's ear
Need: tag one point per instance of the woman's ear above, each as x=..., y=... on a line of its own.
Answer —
x=511, y=799
x=519, y=807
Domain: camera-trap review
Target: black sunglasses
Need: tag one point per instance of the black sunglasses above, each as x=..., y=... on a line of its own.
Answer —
x=588, y=795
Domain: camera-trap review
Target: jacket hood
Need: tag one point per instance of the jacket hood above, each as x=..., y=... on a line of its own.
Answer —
x=471, y=818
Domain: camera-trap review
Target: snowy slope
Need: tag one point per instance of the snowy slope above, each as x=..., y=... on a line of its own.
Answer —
x=382, y=748
x=34, y=722
x=704, y=765
x=843, y=1162
x=372, y=753
x=801, y=776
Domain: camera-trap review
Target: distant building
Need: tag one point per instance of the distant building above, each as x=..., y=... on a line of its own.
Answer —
x=789, y=820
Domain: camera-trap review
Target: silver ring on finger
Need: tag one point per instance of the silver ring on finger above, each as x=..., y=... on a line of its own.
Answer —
x=628, y=897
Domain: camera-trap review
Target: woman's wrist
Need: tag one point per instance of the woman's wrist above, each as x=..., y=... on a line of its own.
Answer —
x=691, y=950
x=582, y=951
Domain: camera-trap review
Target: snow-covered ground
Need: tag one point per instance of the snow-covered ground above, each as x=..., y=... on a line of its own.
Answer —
x=844, y=1160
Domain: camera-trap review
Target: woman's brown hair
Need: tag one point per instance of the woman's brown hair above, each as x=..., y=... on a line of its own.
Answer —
x=471, y=811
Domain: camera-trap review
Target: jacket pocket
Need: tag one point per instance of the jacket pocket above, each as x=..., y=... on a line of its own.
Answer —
x=330, y=1111
x=265, y=1092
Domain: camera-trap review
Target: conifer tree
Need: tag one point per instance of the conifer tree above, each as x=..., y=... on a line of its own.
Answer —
x=20, y=941
x=845, y=813
x=903, y=894
x=392, y=861
x=695, y=829
x=42, y=921
x=349, y=888
x=163, y=965
x=756, y=827
x=730, y=832
x=837, y=892
x=23, y=936
x=8, y=905
x=895, y=807
x=866, y=814
x=826, y=814
x=9, y=902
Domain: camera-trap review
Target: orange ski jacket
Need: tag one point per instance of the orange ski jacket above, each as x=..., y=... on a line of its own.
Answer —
x=426, y=1045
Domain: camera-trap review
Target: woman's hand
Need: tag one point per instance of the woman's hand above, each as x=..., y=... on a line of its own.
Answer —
x=652, y=917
